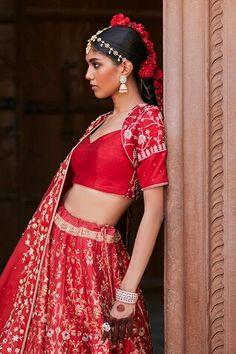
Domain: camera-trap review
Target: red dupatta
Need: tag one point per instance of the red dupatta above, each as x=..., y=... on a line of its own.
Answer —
x=20, y=278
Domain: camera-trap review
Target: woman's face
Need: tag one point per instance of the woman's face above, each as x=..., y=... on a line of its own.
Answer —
x=102, y=74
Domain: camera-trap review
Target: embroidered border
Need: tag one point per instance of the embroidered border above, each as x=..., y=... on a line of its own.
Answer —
x=84, y=232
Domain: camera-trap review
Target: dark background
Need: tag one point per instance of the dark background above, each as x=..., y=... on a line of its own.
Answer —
x=46, y=104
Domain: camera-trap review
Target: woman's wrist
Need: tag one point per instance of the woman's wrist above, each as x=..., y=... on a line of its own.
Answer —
x=128, y=287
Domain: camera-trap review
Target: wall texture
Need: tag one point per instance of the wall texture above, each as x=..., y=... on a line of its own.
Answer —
x=200, y=282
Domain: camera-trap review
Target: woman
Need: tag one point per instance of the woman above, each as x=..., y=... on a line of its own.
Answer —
x=69, y=286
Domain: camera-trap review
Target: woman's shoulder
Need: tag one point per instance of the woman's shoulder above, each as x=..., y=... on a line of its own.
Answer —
x=148, y=110
x=147, y=114
x=143, y=115
x=145, y=119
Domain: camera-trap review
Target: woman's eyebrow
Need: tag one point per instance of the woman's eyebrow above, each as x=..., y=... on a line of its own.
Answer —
x=91, y=60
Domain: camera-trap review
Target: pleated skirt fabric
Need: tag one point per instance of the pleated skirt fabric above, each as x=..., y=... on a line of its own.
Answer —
x=85, y=264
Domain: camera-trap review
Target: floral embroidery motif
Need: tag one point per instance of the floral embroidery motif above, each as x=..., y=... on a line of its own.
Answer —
x=143, y=136
x=34, y=242
x=144, y=132
x=77, y=284
x=127, y=134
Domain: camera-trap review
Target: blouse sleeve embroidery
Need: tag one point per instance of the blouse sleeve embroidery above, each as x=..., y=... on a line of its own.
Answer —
x=151, y=149
x=150, y=136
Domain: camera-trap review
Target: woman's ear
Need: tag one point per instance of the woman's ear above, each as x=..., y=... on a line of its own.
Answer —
x=127, y=68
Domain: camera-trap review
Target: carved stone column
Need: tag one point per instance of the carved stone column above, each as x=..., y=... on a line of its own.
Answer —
x=228, y=254
x=200, y=112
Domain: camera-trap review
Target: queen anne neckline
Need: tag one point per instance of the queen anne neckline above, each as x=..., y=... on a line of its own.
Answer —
x=104, y=135
x=107, y=114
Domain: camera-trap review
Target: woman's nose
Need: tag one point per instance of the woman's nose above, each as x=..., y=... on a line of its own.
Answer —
x=88, y=74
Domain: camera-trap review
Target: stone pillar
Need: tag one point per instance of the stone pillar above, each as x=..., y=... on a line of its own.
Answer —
x=200, y=112
x=228, y=254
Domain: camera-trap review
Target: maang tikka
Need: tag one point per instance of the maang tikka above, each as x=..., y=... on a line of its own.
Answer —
x=123, y=88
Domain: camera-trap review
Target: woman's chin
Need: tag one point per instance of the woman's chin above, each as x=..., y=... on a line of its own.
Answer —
x=100, y=95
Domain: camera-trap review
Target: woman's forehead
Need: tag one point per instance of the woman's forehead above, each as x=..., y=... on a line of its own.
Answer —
x=93, y=53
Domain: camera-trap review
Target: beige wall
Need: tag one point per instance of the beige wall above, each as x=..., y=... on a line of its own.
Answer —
x=229, y=166
x=200, y=86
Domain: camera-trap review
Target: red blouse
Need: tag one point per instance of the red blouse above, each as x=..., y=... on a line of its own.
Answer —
x=104, y=165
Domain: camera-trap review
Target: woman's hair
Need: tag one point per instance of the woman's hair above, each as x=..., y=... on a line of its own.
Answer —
x=130, y=45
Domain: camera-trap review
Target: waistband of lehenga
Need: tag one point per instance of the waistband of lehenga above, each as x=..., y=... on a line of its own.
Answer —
x=101, y=234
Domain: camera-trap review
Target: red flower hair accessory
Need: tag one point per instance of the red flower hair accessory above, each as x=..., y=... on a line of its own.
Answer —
x=149, y=67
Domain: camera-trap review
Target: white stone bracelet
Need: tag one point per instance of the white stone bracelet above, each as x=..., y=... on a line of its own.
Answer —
x=126, y=296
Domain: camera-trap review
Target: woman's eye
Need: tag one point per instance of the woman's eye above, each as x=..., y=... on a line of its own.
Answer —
x=96, y=65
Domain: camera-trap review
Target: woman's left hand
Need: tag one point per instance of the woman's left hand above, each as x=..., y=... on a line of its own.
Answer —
x=120, y=320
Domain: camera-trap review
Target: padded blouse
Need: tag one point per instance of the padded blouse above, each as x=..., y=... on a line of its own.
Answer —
x=104, y=165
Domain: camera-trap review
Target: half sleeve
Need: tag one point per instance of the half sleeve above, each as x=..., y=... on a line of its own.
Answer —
x=151, y=150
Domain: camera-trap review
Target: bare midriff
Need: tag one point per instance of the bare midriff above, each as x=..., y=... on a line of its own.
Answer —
x=95, y=206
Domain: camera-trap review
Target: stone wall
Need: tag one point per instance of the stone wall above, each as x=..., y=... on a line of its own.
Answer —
x=200, y=282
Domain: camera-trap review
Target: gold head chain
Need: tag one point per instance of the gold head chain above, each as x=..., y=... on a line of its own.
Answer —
x=96, y=38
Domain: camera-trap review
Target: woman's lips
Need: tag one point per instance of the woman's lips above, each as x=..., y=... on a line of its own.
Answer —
x=94, y=87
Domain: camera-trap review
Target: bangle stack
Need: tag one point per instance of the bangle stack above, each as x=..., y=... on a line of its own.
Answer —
x=126, y=296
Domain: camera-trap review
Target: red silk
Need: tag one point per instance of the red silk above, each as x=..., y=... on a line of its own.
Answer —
x=103, y=164
x=19, y=280
x=80, y=274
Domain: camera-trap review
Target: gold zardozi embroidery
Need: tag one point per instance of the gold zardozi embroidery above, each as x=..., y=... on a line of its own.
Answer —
x=84, y=232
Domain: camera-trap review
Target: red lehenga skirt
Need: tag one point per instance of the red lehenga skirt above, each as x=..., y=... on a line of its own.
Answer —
x=85, y=264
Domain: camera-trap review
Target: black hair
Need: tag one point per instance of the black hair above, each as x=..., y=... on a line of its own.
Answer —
x=130, y=45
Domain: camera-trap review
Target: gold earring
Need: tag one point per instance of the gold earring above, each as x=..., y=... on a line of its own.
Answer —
x=123, y=88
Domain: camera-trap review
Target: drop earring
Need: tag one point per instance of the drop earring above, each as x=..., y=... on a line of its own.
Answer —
x=123, y=88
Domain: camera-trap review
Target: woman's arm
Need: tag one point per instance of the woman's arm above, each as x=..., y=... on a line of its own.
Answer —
x=145, y=238
x=143, y=246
